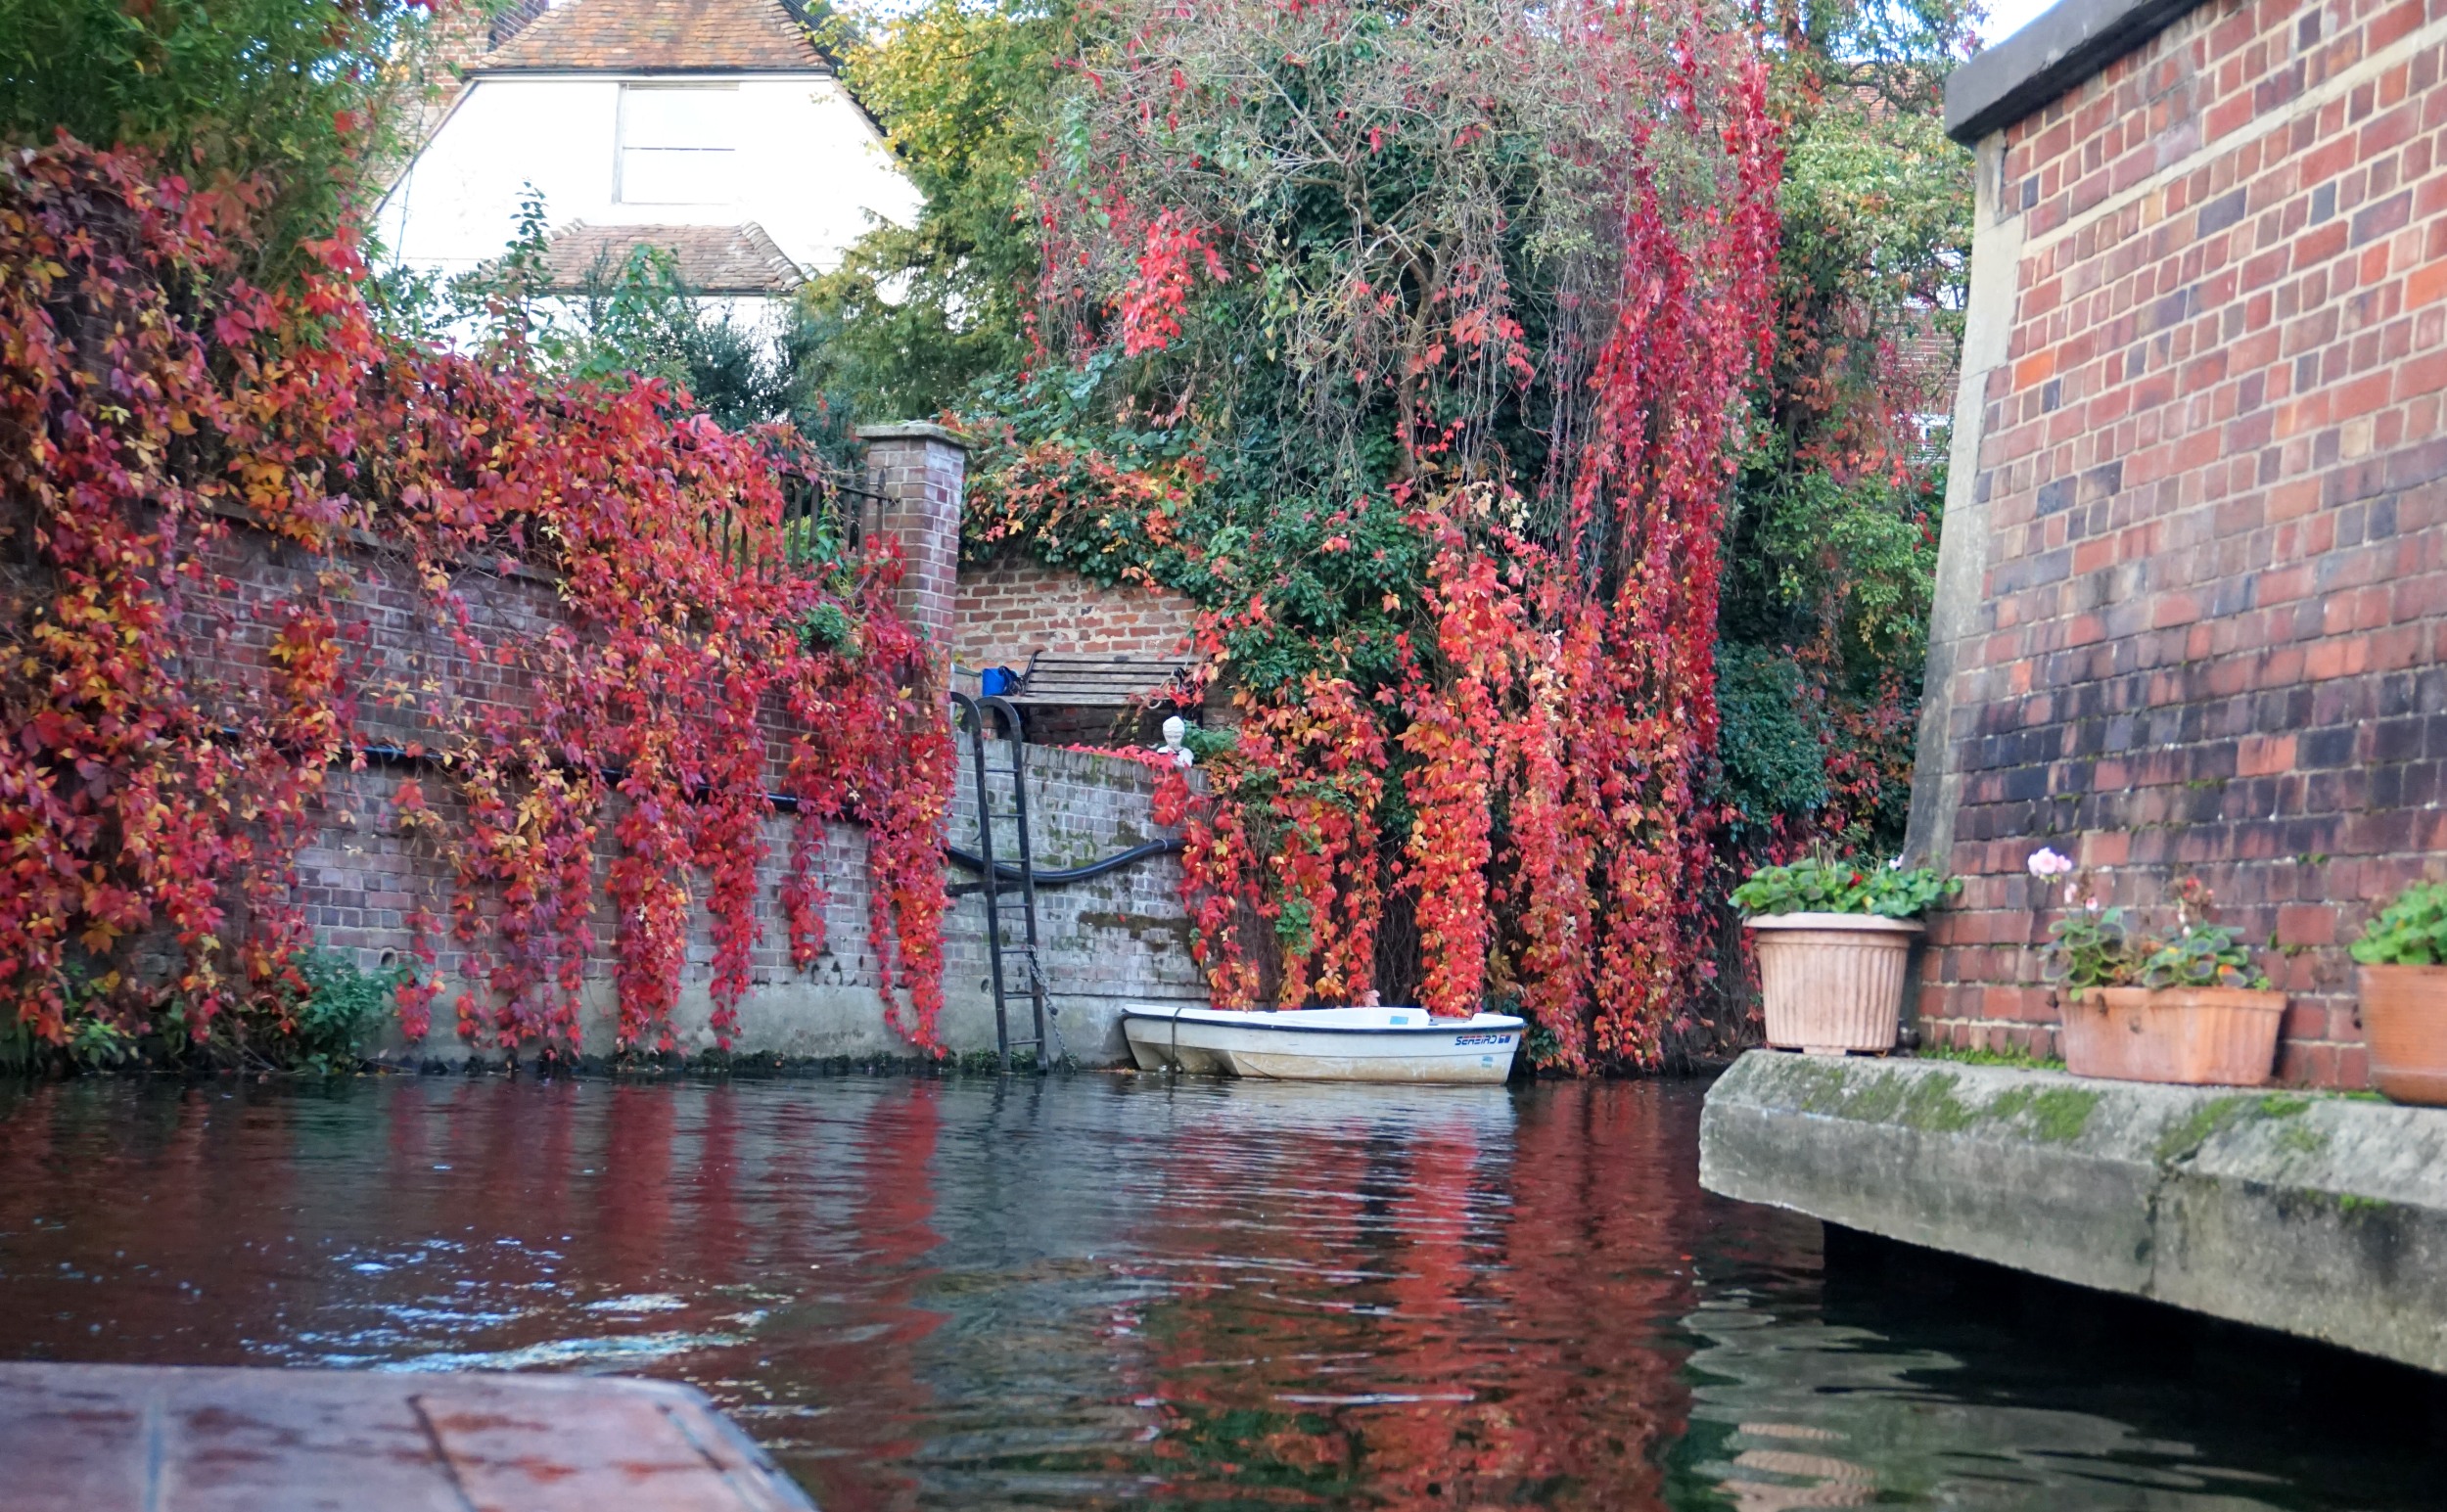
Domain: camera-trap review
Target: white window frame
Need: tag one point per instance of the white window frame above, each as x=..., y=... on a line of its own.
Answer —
x=621, y=148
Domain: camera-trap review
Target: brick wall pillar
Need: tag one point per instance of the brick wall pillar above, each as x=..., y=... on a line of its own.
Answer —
x=921, y=470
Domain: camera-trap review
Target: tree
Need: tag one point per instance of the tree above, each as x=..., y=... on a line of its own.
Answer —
x=915, y=315
x=1832, y=543
x=288, y=98
x=1321, y=308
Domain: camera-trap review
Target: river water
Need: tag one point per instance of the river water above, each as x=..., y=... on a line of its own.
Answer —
x=1106, y=1291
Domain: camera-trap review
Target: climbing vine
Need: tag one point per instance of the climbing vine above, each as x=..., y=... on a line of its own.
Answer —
x=1413, y=344
x=173, y=728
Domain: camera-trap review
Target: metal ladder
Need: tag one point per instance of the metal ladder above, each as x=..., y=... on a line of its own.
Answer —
x=1001, y=901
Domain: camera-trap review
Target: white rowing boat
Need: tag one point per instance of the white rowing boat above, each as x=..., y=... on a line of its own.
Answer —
x=1323, y=1045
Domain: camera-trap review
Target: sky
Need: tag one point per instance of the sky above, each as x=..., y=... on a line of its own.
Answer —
x=2007, y=16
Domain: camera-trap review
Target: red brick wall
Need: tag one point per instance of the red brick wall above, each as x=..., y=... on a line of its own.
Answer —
x=2212, y=482
x=1014, y=607
x=921, y=470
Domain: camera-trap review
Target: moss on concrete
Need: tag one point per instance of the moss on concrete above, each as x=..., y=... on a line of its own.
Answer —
x=2054, y=1114
x=2318, y=1214
x=2020, y=1060
x=2299, y=1139
x=1930, y=1101
x=2183, y=1140
x=1926, y=1102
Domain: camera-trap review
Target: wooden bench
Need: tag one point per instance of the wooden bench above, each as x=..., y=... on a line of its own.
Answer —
x=1070, y=680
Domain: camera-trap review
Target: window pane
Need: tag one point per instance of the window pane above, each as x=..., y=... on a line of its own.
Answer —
x=662, y=176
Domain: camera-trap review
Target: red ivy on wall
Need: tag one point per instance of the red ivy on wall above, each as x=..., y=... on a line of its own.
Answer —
x=1555, y=713
x=152, y=797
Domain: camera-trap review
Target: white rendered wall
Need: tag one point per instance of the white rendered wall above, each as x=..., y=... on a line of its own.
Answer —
x=811, y=169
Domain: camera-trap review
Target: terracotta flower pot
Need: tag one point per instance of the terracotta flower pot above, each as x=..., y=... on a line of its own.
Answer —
x=2404, y=1019
x=1832, y=982
x=2201, y=1037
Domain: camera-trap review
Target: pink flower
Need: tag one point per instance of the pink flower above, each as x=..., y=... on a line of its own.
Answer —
x=2045, y=862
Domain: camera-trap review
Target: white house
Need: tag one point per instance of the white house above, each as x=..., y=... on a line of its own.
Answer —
x=713, y=129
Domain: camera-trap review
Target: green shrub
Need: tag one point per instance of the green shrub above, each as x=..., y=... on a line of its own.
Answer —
x=2410, y=931
x=1774, y=754
x=325, y=1023
x=827, y=626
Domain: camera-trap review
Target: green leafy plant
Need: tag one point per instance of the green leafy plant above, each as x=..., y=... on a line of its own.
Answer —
x=328, y=1019
x=2410, y=931
x=1833, y=885
x=1205, y=744
x=2201, y=956
x=297, y=99
x=827, y=626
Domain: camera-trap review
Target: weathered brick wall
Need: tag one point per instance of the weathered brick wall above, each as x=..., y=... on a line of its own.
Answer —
x=1116, y=939
x=2195, y=571
x=1013, y=607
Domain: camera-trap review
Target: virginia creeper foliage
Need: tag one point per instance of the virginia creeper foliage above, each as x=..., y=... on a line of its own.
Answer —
x=156, y=411
x=1415, y=344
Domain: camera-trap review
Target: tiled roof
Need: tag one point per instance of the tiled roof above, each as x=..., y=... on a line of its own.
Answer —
x=513, y=19
x=711, y=260
x=660, y=36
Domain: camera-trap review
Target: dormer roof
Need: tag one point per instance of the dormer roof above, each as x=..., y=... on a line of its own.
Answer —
x=659, y=36
x=709, y=259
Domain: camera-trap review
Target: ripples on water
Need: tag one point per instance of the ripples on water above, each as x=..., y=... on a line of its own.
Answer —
x=1098, y=1291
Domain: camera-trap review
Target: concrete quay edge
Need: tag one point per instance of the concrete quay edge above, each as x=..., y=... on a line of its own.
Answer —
x=2310, y=1213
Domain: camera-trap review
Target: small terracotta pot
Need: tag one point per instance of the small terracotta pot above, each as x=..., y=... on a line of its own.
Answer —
x=1832, y=982
x=2200, y=1037
x=2404, y=1019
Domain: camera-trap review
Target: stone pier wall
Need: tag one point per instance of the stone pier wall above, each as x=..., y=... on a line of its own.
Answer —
x=2319, y=1215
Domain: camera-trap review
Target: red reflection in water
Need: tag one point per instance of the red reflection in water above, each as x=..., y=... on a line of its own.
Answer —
x=918, y=1293
x=1466, y=1313
x=863, y=1356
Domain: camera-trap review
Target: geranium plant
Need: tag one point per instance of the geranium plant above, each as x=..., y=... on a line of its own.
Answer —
x=1834, y=884
x=2094, y=946
x=2410, y=931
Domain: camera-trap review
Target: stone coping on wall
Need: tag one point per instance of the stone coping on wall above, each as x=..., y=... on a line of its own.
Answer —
x=2318, y=1214
x=914, y=431
x=2056, y=51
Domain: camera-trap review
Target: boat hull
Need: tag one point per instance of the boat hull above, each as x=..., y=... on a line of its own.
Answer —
x=1279, y=1046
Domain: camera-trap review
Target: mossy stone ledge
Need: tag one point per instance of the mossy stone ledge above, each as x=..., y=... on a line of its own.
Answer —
x=2316, y=1215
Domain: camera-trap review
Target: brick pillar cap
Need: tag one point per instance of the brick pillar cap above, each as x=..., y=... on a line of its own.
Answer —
x=913, y=430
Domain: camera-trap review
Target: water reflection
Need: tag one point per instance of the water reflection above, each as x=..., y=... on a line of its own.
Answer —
x=1090, y=1293
x=1803, y=1414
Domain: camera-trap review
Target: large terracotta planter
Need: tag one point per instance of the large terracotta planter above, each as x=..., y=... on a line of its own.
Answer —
x=1832, y=982
x=2200, y=1037
x=2403, y=1019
